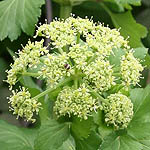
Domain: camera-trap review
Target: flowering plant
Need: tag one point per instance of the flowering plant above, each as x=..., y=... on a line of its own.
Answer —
x=88, y=98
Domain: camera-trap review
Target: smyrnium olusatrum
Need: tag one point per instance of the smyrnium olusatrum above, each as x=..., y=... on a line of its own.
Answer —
x=79, y=63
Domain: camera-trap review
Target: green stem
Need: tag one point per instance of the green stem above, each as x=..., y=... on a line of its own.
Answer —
x=65, y=11
x=98, y=96
x=54, y=88
x=76, y=83
x=78, y=38
x=32, y=74
x=91, y=59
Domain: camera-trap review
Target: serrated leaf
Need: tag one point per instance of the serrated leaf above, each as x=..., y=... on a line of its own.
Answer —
x=81, y=128
x=141, y=102
x=91, y=143
x=52, y=135
x=120, y=142
x=15, y=138
x=128, y=26
x=16, y=15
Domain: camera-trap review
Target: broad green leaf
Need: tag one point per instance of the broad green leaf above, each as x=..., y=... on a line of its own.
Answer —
x=140, y=52
x=125, y=3
x=69, y=144
x=139, y=130
x=16, y=15
x=14, y=138
x=52, y=135
x=91, y=143
x=141, y=102
x=128, y=25
x=120, y=142
x=81, y=128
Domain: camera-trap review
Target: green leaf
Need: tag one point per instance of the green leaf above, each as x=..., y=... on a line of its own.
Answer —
x=14, y=138
x=16, y=15
x=69, y=144
x=103, y=129
x=91, y=143
x=141, y=102
x=128, y=26
x=140, y=52
x=115, y=58
x=52, y=135
x=120, y=142
x=125, y=3
x=139, y=127
x=81, y=128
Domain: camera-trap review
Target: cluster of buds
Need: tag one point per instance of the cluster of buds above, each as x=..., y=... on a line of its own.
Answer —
x=22, y=105
x=119, y=110
x=130, y=69
x=78, y=46
x=77, y=102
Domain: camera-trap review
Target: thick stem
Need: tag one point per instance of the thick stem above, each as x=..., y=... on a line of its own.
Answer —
x=100, y=98
x=52, y=89
x=31, y=74
x=78, y=38
x=65, y=11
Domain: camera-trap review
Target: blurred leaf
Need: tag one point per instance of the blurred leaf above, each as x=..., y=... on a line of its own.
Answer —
x=140, y=52
x=16, y=15
x=15, y=138
x=146, y=2
x=147, y=61
x=81, y=128
x=12, y=54
x=125, y=3
x=52, y=135
x=143, y=17
x=91, y=143
x=115, y=59
x=128, y=26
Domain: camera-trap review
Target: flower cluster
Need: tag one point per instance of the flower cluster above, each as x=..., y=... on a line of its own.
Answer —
x=80, y=53
x=28, y=57
x=55, y=67
x=81, y=50
x=23, y=106
x=130, y=69
x=119, y=111
x=99, y=74
x=78, y=102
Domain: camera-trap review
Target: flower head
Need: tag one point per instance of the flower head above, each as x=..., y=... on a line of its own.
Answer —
x=130, y=69
x=119, y=111
x=23, y=106
x=76, y=102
